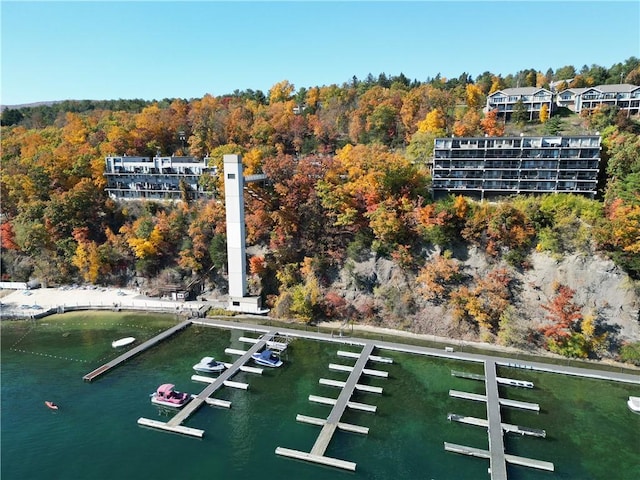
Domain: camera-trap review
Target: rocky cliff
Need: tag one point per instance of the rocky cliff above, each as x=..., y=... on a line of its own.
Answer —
x=387, y=295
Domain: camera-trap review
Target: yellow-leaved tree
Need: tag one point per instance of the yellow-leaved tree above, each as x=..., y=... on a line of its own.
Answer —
x=434, y=122
x=544, y=113
x=281, y=92
x=496, y=84
x=475, y=97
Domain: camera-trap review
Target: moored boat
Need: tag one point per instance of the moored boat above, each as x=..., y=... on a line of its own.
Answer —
x=166, y=395
x=123, y=342
x=209, y=365
x=267, y=358
x=634, y=404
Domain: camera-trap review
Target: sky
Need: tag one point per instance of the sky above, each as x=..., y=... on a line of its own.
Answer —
x=92, y=50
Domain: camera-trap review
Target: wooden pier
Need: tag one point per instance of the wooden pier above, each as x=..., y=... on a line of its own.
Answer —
x=329, y=426
x=89, y=377
x=175, y=424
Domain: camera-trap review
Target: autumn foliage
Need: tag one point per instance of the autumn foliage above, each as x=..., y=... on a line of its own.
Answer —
x=562, y=313
x=348, y=175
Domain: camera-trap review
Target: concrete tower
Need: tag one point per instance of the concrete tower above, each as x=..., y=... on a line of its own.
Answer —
x=236, y=249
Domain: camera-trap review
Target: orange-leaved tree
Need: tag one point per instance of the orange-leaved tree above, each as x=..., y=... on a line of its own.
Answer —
x=563, y=315
x=438, y=276
x=485, y=302
x=491, y=125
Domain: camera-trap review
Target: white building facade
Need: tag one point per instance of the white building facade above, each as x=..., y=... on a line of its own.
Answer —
x=488, y=167
x=624, y=96
x=157, y=178
x=533, y=98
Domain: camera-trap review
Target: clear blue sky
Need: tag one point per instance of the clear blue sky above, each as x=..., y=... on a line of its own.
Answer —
x=161, y=49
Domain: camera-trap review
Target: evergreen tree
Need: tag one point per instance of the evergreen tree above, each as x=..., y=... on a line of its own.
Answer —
x=520, y=114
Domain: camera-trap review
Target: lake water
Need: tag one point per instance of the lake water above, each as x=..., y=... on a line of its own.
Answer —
x=591, y=434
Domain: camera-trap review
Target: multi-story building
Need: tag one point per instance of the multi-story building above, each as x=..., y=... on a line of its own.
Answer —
x=488, y=167
x=624, y=96
x=157, y=178
x=533, y=98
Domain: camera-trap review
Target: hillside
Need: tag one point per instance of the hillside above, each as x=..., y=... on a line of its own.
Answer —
x=346, y=227
x=601, y=288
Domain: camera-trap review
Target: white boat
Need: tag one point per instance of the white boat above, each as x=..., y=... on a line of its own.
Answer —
x=267, y=358
x=634, y=404
x=209, y=365
x=123, y=342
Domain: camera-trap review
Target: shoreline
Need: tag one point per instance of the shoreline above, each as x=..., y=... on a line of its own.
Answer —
x=41, y=302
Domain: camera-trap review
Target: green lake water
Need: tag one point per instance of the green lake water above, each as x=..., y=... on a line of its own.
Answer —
x=591, y=434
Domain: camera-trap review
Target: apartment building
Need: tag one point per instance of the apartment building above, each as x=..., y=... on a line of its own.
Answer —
x=157, y=178
x=533, y=98
x=624, y=96
x=489, y=167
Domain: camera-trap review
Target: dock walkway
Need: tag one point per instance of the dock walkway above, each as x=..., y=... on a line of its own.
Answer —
x=332, y=422
x=175, y=424
x=513, y=459
x=89, y=377
x=503, y=361
x=497, y=460
x=496, y=454
x=505, y=402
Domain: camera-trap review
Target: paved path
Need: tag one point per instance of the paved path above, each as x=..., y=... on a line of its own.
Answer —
x=434, y=352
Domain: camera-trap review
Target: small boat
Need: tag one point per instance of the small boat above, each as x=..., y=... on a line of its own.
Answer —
x=634, y=404
x=209, y=365
x=267, y=358
x=166, y=395
x=51, y=405
x=123, y=342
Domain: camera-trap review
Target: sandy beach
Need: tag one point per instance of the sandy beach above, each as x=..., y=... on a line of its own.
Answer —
x=26, y=303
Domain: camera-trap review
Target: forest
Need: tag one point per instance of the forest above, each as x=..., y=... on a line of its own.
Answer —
x=348, y=177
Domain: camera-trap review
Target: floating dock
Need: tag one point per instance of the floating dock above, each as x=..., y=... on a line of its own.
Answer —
x=497, y=460
x=507, y=427
x=367, y=371
x=513, y=459
x=278, y=344
x=175, y=424
x=373, y=358
x=505, y=402
x=329, y=426
x=362, y=388
x=496, y=454
x=501, y=380
x=89, y=377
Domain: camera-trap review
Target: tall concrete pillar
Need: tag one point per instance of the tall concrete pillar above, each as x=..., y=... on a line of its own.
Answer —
x=234, y=206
